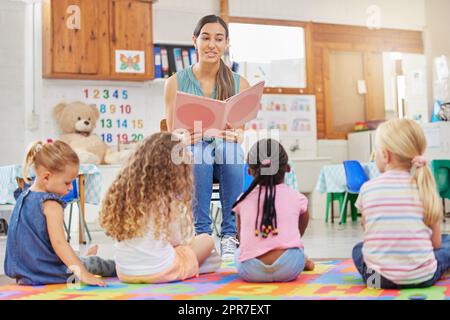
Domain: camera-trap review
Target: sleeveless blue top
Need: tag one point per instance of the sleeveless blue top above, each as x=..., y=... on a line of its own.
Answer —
x=188, y=83
x=30, y=257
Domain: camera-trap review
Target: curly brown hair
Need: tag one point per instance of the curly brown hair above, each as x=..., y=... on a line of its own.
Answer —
x=151, y=191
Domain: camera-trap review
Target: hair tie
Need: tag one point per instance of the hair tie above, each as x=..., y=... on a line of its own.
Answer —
x=266, y=163
x=419, y=161
x=37, y=148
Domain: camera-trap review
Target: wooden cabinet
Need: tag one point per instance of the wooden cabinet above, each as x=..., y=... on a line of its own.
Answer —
x=81, y=39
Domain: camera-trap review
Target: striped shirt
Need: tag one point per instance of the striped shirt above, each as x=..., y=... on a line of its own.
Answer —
x=397, y=243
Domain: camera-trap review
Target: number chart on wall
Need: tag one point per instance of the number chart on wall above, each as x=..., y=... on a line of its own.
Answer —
x=121, y=117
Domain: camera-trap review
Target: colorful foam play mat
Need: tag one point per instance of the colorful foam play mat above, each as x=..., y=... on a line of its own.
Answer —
x=333, y=280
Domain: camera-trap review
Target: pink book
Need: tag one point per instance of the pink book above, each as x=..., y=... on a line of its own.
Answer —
x=214, y=114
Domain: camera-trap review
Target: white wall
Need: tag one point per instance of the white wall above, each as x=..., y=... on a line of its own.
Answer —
x=436, y=39
x=175, y=20
x=12, y=80
x=337, y=150
x=398, y=14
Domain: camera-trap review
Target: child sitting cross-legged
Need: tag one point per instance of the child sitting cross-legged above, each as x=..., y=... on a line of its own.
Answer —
x=148, y=211
x=403, y=246
x=271, y=219
x=37, y=252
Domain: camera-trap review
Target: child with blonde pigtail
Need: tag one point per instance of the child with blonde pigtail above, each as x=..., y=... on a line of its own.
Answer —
x=403, y=246
x=37, y=252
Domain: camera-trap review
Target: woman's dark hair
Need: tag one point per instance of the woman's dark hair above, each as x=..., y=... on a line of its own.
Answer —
x=224, y=78
x=268, y=163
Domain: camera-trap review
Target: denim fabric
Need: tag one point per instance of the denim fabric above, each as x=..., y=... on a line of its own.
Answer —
x=223, y=161
x=443, y=265
x=99, y=266
x=30, y=258
x=286, y=268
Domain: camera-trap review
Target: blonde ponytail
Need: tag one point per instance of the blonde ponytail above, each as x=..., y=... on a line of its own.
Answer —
x=30, y=157
x=428, y=194
x=54, y=156
x=406, y=140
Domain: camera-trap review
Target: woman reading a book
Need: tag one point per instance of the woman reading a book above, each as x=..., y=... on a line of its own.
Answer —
x=220, y=157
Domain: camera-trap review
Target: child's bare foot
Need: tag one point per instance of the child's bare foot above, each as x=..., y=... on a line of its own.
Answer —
x=309, y=265
x=92, y=251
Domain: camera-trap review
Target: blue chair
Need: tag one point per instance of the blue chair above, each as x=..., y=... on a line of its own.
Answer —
x=248, y=179
x=355, y=177
x=71, y=198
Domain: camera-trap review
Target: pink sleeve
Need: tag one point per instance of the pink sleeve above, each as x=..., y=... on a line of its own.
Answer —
x=303, y=204
x=359, y=204
x=237, y=209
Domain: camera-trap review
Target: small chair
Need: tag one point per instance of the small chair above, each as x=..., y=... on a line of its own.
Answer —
x=163, y=125
x=71, y=198
x=248, y=179
x=356, y=177
x=215, y=199
x=331, y=197
x=441, y=173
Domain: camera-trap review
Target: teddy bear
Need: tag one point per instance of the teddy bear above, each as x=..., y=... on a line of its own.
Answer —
x=77, y=121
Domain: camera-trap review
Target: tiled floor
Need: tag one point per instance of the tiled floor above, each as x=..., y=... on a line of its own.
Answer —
x=322, y=241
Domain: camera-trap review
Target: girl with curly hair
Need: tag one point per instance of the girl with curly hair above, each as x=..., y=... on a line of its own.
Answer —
x=147, y=210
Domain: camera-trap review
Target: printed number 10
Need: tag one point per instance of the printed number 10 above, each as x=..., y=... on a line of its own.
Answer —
x=125, y=109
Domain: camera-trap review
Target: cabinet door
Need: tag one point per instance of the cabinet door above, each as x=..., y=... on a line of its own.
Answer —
x=75, y=38
x=131, y=30
x=75, y=50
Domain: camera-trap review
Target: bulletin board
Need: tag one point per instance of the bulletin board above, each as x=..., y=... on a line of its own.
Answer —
x=291, y=114
x=122, y=110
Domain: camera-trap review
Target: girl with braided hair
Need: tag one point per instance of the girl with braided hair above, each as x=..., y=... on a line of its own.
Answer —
x=271, y=219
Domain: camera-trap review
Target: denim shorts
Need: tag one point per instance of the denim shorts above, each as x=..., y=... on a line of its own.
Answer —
x=286, y=268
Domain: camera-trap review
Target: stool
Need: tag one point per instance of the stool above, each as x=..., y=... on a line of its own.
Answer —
x=215, y=198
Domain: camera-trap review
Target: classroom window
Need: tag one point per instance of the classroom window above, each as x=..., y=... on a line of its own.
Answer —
x=272, y=53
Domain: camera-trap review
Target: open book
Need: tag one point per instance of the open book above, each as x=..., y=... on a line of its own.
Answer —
x=207, y=113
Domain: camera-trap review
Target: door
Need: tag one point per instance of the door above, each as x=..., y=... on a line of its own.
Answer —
x=346, y=106
x=131, y=30
x=354, y=90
